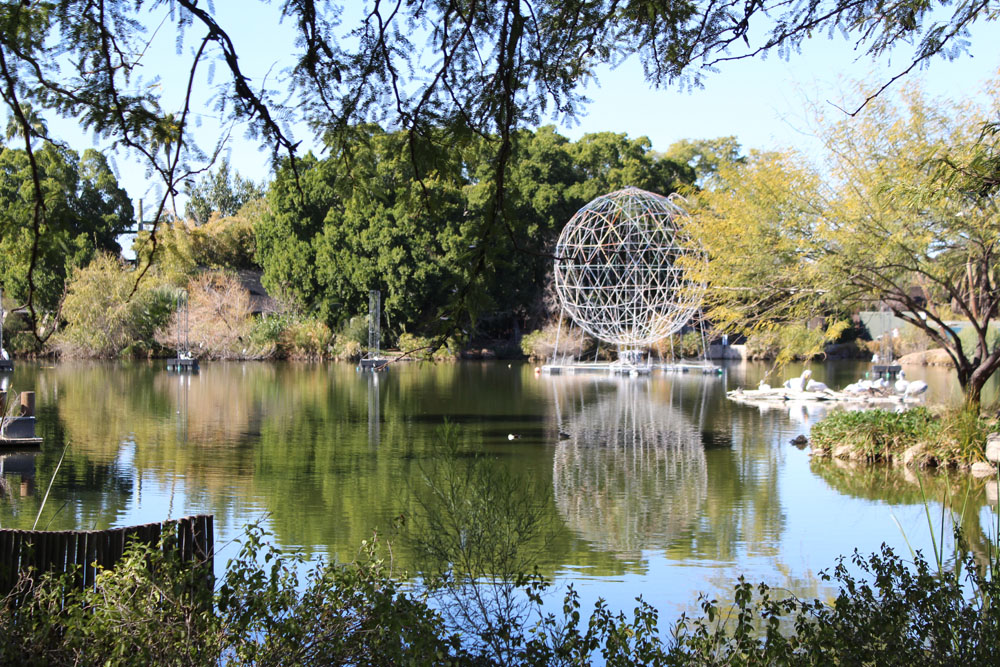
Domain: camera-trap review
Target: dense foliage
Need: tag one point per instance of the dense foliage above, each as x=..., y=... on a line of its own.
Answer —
x=85, y=211
x=269, y=608
x=954, y=438
x=106, y=319
x=902, y=216
x=364, y=218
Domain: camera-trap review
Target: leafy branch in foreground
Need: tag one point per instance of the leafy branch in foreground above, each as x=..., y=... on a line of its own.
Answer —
x=484, y=69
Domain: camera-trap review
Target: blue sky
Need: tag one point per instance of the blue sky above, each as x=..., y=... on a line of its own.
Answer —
x=760, y=101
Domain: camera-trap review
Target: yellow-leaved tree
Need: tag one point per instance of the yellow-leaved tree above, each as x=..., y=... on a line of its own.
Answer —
x=901, y=214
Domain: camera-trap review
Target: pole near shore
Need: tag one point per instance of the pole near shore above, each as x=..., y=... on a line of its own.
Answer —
x=27, y=404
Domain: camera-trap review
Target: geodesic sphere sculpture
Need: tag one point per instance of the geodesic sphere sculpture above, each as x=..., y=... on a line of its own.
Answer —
x=623, y=265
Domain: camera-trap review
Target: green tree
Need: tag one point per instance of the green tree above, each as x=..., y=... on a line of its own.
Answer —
x=222, y=192
x=104, y=319
x=899, y=220
x=485, y=70
x=705, y=156
x=85, y=211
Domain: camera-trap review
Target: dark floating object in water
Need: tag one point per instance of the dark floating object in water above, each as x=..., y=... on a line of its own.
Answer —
x=563, y=435
x=800, y=441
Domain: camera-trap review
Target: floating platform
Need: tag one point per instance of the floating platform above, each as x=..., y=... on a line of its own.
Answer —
x=703, y=367
x=373, y=365
x=19, y=443
x=6, y=365
x=781, y=395
x=182, y=365
x=888, y=371
x=608, y=368
x=19, y=432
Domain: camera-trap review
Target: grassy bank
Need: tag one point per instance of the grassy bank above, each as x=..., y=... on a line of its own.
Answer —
x=917, y=437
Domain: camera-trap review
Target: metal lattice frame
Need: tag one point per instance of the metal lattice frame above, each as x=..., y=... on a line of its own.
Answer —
x=622, y=268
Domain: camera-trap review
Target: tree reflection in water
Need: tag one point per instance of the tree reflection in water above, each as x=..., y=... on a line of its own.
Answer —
x=630, y=472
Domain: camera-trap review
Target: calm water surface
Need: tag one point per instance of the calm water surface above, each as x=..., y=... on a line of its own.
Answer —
x=656, y=486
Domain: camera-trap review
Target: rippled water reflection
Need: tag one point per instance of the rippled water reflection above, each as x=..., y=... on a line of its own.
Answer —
x=657, y=486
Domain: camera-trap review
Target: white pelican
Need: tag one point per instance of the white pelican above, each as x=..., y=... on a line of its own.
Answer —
x=915, y=388
x=901, y=383
x=815, y=385
x=799, y=383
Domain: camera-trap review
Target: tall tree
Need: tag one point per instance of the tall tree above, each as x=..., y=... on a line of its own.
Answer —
x=85, y=212
x=705, y=156
x=900, y=219
x=223, y=192
x=485, y=68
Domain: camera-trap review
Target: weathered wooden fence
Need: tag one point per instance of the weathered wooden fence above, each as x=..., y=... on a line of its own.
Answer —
x=83, y=551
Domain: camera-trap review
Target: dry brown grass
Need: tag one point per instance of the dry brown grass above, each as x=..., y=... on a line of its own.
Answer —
x=220, y=324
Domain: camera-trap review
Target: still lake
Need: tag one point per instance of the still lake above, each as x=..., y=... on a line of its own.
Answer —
x=655, y=485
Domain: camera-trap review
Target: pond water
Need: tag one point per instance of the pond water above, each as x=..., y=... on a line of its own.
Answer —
x=656, y=486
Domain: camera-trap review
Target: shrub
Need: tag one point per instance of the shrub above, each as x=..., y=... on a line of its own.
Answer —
x=17, y=337
x=305, y=339
x=956, y=438
x=540, y=344
x=877, y=435
x=219, y=323
x=270, y=609
x=355, y=329
x=347, y=350
x=104, y=319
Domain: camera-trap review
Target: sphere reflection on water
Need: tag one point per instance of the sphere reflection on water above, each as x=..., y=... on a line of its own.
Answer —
x=632, y=472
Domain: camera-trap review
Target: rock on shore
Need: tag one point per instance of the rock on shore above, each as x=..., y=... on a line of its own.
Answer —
x=935, y=357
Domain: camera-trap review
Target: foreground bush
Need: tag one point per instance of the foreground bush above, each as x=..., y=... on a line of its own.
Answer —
x=265, y=611
x=270, y=609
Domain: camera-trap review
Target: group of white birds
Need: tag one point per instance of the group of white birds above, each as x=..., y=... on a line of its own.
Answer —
x=902, y=386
